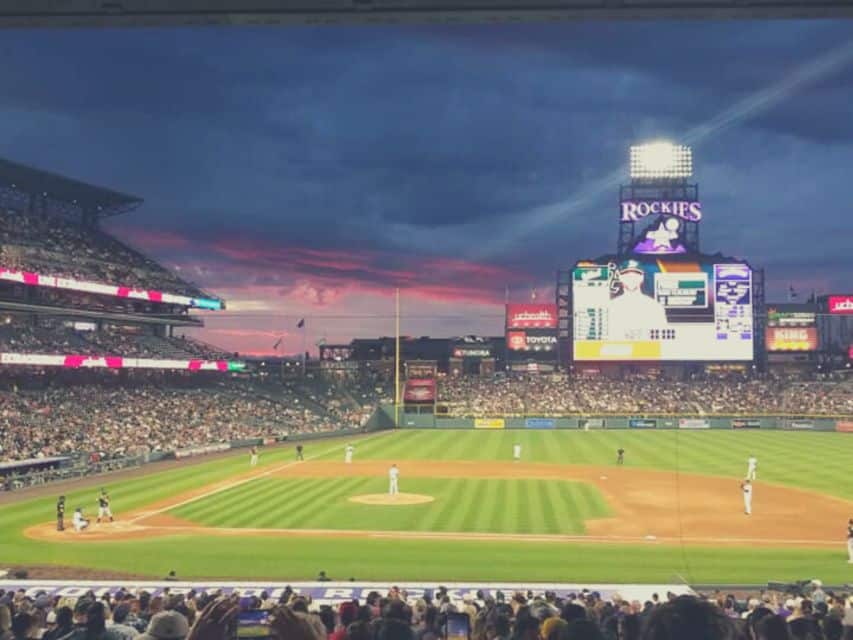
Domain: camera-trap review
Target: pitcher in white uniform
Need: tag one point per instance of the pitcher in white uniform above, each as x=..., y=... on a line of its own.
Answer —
x=393, y=475
x=516, y=452
x=746, y=487
x=348, y=454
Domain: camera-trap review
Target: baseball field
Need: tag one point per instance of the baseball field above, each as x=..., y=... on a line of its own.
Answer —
x=564, y=512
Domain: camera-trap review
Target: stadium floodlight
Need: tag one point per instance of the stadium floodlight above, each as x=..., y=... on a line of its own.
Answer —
x=661, y=161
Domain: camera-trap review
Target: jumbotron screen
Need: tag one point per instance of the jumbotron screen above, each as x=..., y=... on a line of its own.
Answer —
x=647, y=310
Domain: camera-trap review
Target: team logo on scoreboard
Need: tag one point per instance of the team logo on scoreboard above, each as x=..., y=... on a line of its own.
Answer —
x=663, y=240
x=634, y=210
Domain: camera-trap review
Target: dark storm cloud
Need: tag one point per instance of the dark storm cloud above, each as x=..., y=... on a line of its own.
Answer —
x=417, y=145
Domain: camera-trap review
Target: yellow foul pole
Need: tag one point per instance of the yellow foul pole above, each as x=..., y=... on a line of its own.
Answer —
x=397, y=360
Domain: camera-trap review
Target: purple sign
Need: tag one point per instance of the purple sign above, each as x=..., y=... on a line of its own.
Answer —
x=663, y=240
x=635, y=210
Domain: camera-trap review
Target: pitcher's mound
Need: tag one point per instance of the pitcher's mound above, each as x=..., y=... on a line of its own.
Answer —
x=385, y=498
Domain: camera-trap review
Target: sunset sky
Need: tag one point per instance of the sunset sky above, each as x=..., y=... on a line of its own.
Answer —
x=307, y=172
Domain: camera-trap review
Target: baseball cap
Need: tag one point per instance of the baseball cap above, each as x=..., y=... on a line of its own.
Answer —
x=166, y=625
x=631, y=265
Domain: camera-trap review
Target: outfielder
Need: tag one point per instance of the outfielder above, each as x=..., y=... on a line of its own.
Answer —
x=751, y=467
x=79, y=521
x=348, y=454
x=253, y=460
x=104, y=507
x=850, y=540
x=516, y=452
x=746, y=487
x=393, y=475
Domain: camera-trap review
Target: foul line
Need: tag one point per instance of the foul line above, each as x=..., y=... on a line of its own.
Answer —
x=147, y=514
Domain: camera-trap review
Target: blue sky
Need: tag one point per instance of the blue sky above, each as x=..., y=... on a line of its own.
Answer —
x=309, y=171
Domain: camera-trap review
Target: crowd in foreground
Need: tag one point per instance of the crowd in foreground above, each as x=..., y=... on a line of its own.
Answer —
x=558, y=395
x=125, y=615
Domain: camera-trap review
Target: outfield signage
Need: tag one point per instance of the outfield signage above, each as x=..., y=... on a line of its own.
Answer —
x=693, y=423
x=746, y=423
x=844, y=426
x=489, y=423
x=192, y=452
x=333, y=593
x=592, y=423
x=531, y=316
x=799, y=425
x=539, y=423
x=642, y=423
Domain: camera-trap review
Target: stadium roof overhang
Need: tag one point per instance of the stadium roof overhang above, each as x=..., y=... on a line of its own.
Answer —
x=93, y=200
x=49, y=13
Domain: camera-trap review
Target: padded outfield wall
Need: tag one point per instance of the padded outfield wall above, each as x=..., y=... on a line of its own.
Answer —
x=385, y=418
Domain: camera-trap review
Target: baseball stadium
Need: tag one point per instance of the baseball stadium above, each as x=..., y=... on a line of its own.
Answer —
x=654, y=448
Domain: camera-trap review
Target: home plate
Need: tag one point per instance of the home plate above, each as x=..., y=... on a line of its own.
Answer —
x=604, y=477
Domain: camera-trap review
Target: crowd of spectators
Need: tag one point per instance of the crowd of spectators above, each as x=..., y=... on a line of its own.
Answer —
x=60, y=340
x=127, y=614
x=558, y=395
x=131, y=420
x=56, y=246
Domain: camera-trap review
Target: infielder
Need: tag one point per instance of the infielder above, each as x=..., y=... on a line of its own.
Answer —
x=60, y=514
x=516, y=452
x=393, y=475
x=79, y=521
x=299, y=455
x=751, y=467
x=104, y=507
x=253, y=460
x=348, y=454
x=620, y=456
x=850, y=540
x=746, y=487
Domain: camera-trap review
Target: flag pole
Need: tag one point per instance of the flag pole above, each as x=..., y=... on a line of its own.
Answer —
x=397, y=359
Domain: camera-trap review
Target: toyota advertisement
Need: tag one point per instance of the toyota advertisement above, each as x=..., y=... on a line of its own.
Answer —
x=662, y=309
x=531, y=332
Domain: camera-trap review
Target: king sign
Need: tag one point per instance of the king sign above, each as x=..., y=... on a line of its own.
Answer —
x=634, y=210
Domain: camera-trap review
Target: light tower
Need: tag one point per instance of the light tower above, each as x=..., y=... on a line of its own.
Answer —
x=659, y=193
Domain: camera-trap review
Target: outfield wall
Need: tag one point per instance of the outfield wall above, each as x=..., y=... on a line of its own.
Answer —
x=593, y=422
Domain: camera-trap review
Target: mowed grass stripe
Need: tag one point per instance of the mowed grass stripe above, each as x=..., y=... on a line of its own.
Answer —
x=274, y=498
x=476, y=515
x=334, y=502
x=294, y=513
x=435, y=518
x=206, y=509
x=539, y=509
x=556, y=507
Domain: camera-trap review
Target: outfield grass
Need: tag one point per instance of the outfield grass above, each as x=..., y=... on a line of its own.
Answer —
x=461, y=504
x=819, y=461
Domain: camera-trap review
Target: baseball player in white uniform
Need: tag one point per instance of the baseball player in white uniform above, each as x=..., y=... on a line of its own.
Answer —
x=746, y=487
x=348, y=453
x=79, y=521
x=751, y=467
x=253, y=460
x=850, y=540
x=516, y=452
x=393, y=476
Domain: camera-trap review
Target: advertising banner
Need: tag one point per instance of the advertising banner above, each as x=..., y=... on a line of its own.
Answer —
x=746, y=423
x=191, y=452
x=489, y=423
x=419, y=390
x=116, y=362
x=693, y=423
x=531, y=340
x=539, y=423
x=842, y=305
x=592, y=423
x=800, y=425
x=791, y=339
x=844, y=426
x=333, y=593
x=531, y=316
x=642, y=423
x=472, y=352
x=119, y=291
